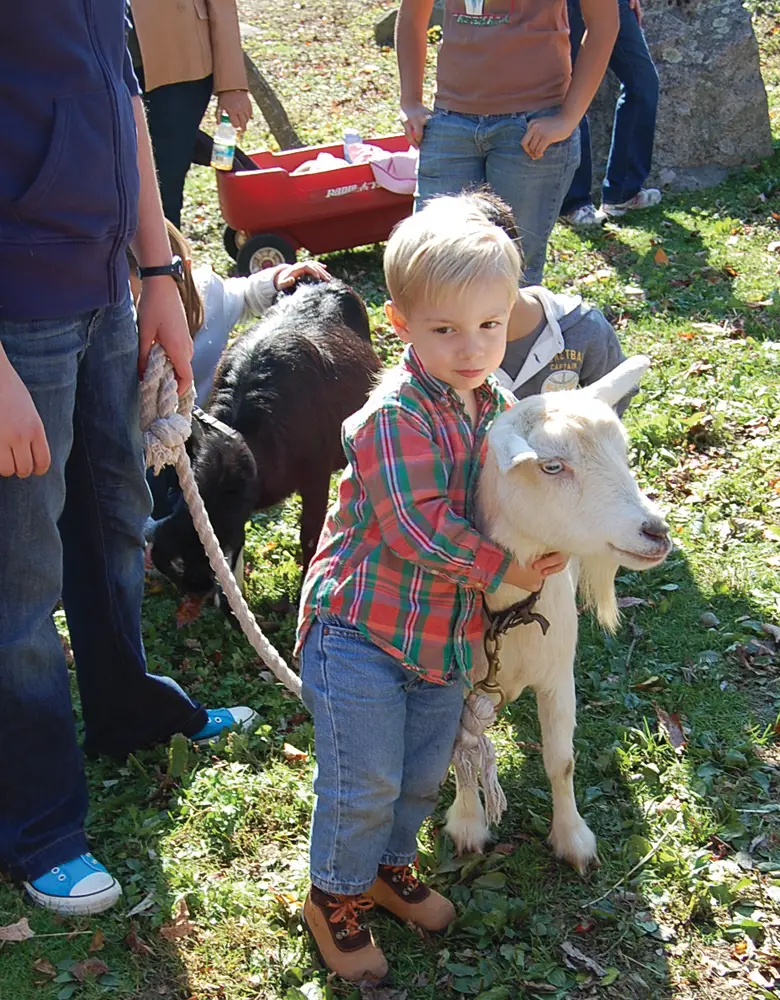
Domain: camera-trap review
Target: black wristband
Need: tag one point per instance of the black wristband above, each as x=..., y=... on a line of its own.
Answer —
x=173, y=270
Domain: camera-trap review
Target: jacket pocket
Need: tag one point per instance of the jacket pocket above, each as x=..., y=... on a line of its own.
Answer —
x=201, y=7
x=75, y=194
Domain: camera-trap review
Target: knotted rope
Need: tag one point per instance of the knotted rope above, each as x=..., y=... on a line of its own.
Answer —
x=166, y=422
x=474, y=756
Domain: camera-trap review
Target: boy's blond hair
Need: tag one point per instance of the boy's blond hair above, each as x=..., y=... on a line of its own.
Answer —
x=448, y=244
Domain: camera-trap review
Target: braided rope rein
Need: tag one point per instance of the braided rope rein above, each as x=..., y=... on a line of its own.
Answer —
x=166, y=422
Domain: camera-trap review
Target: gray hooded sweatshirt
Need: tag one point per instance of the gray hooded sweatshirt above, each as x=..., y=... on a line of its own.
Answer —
x=575, y=347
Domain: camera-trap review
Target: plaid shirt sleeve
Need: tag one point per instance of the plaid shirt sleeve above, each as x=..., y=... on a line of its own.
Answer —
x=404, y=475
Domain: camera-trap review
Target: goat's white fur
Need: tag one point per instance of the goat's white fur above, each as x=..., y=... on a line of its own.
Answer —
x=594, y=511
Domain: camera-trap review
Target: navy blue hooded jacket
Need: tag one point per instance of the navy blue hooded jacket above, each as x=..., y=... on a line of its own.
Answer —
x=68, y=157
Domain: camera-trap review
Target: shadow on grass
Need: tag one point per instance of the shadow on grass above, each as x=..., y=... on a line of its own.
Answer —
x=684, y=275
x=705, y=813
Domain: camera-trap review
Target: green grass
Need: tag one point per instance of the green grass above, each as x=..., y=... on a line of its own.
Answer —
x=225, y=829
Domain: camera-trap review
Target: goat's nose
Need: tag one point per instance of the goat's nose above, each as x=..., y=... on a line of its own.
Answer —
x=655, y=528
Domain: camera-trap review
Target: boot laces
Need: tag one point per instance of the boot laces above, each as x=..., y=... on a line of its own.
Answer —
x=405, y=876
x=347, y=911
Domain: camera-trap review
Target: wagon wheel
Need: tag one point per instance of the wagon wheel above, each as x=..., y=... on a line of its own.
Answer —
x=265, y=250
x=233, y=240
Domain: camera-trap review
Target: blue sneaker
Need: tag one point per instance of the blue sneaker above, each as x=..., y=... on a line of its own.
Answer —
x=77, y=888
x=222, y=719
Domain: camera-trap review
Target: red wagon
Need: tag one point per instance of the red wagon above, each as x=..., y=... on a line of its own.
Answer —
x=270, y=214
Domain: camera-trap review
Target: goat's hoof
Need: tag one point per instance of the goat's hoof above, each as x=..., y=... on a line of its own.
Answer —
x=576, y=844
x=470, y=835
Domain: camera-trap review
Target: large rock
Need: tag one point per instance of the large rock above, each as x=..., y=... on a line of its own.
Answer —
x=384, y=29
x=713, y=110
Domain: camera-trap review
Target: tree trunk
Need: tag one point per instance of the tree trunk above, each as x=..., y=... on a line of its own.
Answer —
x=271, y=107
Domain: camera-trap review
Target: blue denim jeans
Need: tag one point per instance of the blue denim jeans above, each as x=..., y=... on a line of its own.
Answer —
x=384, y=739
x=75, y=533
x=460, y=151
x=633, y=132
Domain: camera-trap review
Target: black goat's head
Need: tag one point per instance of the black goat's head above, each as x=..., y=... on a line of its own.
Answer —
x=225, y=472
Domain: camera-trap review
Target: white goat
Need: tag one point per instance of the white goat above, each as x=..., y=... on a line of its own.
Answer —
x=556, y=478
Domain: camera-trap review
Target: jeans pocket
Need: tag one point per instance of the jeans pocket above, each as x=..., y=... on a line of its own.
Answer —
x=340, y=628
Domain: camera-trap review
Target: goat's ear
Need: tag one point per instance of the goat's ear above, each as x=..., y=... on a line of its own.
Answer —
x=509, y=447
x=615, y=384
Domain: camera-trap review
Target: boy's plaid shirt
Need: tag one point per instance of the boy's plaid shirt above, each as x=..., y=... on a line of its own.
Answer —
x=398, y=556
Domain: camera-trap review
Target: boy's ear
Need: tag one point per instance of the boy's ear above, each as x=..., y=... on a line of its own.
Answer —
x=397, y=321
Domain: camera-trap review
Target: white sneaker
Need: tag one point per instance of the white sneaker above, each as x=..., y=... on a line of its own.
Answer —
x=646, y=198
x=585, y=215
x=76, y=888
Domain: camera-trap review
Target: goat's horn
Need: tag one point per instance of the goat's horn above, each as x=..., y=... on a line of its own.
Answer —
x=615, y=384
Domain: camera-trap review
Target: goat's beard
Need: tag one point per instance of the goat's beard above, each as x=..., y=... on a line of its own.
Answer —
x=597, y=587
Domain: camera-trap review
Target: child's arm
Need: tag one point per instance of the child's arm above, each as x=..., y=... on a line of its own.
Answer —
x=411, y=46
x=402, y=470
x=24, y=449
x=602, y=21
x=259, y=290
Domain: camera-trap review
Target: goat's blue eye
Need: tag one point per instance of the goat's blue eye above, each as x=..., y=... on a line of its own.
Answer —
x=553, y=467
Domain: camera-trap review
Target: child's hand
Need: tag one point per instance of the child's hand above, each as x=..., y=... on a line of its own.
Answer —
x=551, y=563
x=24, y=450
x=532, y=575
x=413, y=118
x=286, y=275
x=543, y=132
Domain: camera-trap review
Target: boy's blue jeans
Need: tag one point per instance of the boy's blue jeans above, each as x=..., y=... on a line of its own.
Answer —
x=75, y=533
x=633, y=133
x=384, y=739
x=460, y=151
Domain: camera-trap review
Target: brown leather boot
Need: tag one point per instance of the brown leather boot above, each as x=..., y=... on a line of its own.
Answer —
x=399, y=891
x=345, y=944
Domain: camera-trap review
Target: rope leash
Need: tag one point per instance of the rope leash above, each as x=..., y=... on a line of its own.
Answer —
x=166, y=422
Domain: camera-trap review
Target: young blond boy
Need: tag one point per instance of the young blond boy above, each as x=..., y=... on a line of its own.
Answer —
x=391, y=610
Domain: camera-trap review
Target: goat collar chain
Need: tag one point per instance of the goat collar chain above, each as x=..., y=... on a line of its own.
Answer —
x=215, y=424
x=519, y=613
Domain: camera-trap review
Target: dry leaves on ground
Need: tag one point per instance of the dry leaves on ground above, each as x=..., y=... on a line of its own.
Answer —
x=293, y=755
x=90, y=968
x=181, y=926
x=670, y=725
x=20, y=931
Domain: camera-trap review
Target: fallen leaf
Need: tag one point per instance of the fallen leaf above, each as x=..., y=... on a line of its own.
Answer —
x=671, y=726
x=188, y=611
x=686, y=334
x=771, y=630
x=20, y=931
x=585, y=927
x=774, y=246
x=44, y=967
x=181, y=926
x=580, y=958
x=89, y=968
x=145, y=903
x=293, y=755
x=661, y=257
x=136, y=945
x=649, y=684
x=630, y=602
x=97, y=942
x=505, y=849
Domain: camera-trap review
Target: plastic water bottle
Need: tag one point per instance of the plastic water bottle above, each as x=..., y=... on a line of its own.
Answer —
x=351, y=138
x=224, y=144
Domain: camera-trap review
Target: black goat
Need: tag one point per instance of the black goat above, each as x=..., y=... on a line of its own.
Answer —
x=285, y=387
